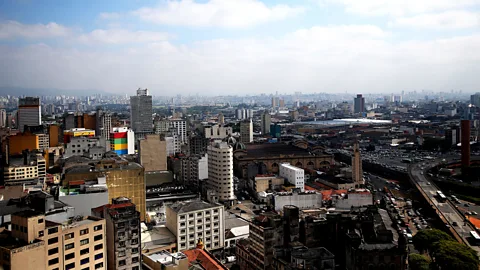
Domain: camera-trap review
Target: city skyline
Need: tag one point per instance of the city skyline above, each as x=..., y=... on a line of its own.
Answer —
x=240, y=47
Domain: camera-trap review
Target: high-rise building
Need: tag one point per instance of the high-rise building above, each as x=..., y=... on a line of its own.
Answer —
x=221, y=119
x=141, y=113
x=246, y=131
x=3, y=118
x=475, y=99
x=29, y=112
x=169, y=127
x=122, y=141
x=123, y=234
x=357, y=171
x=281, y=103
x=103, y=126
x=173, y=144
x=196, y=221
x=240, y=113
x=153, y=153
x=359, y=104
x=220, y=170
x=465, y=143
x=266, y=121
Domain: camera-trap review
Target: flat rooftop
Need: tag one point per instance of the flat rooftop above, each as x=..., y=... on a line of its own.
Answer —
x=191, y=206
x=291, y=167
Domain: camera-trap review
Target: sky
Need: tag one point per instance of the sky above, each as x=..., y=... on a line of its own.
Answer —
x=218, y=47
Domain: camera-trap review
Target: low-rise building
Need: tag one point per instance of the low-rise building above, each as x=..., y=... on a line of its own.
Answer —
x=294, y=175
x=303, y=200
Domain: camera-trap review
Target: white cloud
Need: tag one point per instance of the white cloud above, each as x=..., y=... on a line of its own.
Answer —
x=401, y=7
x=221, y=13
x=122, y=36
x=330, y=59
x=13, y=29
x=440, y=21
x=109, y=16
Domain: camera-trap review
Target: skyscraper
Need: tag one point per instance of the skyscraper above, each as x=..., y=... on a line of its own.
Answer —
x=3, y=118
x=141, y=113
x=357, y=171
x=246, y=131
x=103, y=127
x=266, y=121
x=359, y=104
x=220, y=170
x=29, y=112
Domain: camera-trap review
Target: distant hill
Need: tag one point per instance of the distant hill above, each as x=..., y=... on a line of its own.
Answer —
x=20, y=91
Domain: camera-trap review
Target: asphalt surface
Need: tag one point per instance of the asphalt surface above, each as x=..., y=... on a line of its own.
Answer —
x=446, y=209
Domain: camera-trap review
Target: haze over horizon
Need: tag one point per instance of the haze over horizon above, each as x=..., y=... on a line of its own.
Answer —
x=222, y=47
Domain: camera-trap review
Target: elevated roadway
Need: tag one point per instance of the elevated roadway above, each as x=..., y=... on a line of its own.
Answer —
x=445, y=210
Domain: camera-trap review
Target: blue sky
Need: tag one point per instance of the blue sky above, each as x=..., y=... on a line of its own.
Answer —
x=240, y=46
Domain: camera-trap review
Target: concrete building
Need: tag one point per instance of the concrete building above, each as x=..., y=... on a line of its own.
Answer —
x=217, y=132
x=475, y=99
x=29, y=112
x=359, y=104
x=191, y=170
x=28, y=170
x=22, y=141
x=43, y=142
x=240, y=114
x=3, y=118
x=262, y=183
x=38, y=243
x=301, y=257
x=357, y=171
x=173, y=145
x=193, y=221
x=77, y=132
x=197, y=145
x=103, y=126
x=302, y=200
x=246, y=131
x=123, y=234
x=165, y=260
x=122, y=141
x=465, y=144
x=141, y=113
x=354, y=198
x=235, y=230
x=220, y=170
x=294, y=175
x=153, y=153
x=266, y=122
x=171, y=127
x=80, y=146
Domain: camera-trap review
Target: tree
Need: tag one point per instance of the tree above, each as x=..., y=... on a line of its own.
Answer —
x=418, y=262
x=450, y=254
x=425, y=239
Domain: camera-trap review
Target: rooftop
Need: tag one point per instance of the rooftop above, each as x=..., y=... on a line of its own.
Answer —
x=205, y=259
x=191, y=206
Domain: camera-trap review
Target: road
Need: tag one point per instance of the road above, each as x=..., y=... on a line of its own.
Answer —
x=444, y=209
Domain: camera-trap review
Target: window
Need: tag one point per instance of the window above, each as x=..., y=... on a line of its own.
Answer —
x=69, y=246
x=52, y=251
x=98, y=237
x=86, y=268
x=53, y=240
x=53, y=230
x=40, y=234
x=69, y=236
x=84, y=251
x=122, y=263
x=69, y=256
x=83, y=242
x=97, y=228
x=40, y=220
x=70, y=266
x=84, y=231
x=134, y=250
x=84, y=261
x=135, y=260
x=99, y=265
x=98, y=256
x=136, y=268
x=98, y=247
x=53, y=261
x=190, y=215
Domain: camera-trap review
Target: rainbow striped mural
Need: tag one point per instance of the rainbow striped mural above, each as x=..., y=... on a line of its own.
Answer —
x=119, y=142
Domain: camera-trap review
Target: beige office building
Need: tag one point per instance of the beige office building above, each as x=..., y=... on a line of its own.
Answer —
x=220, y=170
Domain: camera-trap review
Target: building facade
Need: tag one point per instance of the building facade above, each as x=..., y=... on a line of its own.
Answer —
x=294, y=175
x=246, y=131
x=122, y=141
x=193, y=221
x=359, y=104
x=29, y=112
x=220, y=170
x=123, y=234
x=141, y=113
x=266, y=122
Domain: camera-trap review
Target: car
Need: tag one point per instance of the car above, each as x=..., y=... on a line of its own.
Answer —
x=474, y=213
x=454, y=223
x=404, y=231
x=466, y=205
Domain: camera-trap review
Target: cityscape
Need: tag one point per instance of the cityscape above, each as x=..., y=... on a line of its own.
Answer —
x=239, y=134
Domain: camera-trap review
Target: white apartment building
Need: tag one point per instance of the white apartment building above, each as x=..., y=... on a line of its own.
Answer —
x=294, y=175
x=217, y=132
x=178, y=125
x=220, y=170
x=173, y=145
x=246, y=131
x=195, y=220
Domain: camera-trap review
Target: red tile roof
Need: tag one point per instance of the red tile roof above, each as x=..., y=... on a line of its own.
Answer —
x=204, y=258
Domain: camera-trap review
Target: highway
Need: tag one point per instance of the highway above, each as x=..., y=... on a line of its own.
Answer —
x=445, y=210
